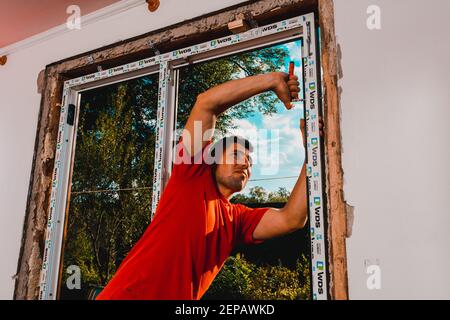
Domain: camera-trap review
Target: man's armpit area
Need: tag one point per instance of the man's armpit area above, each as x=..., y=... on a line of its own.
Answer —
x=249, y=220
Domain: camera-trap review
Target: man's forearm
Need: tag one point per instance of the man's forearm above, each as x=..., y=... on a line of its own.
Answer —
x=219, y=98
x=296, y=208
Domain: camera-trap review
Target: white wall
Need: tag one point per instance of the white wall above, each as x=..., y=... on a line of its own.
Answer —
x=19, y=106
x=395, y=108
x=395, y=114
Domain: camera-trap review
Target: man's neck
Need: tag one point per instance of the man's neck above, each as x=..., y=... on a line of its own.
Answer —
x=227, y=193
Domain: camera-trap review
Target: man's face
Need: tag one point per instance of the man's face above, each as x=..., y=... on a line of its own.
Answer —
x=234, y=168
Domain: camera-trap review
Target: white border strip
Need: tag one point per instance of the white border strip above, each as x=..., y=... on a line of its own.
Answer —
x=188, y=51
x=314, y=168
x=164, y=73
x=56, y=216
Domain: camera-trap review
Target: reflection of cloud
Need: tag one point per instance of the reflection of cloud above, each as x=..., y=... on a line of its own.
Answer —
x=295, y=51
x=265, y=142
x=243, y=127
x=277, y=141
x=290, y=136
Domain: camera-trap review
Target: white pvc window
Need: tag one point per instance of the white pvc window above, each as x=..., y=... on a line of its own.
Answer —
x=167, y=66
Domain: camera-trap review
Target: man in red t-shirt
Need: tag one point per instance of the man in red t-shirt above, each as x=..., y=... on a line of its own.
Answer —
x=195, y=226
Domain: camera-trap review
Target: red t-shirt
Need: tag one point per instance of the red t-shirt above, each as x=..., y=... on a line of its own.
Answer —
x=192, y=234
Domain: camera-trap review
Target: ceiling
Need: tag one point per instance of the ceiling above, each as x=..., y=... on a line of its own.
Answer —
x=20, y=19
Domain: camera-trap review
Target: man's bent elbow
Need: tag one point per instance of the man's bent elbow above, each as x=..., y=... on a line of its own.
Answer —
x=206, y=100
x=303, y=222
x=297, y=222
x=200, y=101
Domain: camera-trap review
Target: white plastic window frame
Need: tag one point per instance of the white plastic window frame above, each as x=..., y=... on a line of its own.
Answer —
x=167, y=66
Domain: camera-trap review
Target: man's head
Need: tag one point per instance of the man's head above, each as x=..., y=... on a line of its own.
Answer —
x=232, y=168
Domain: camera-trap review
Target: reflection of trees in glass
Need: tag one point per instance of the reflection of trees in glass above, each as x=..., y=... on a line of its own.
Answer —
x=260, y=195
x=197, y=78
x=114, y=150
x=240, y=279
x=249, y=279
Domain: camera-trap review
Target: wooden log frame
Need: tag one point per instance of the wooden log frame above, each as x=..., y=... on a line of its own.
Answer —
x=204, y=28
x=337, y=216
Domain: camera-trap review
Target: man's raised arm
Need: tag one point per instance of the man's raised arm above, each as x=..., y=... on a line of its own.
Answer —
x=211, y=103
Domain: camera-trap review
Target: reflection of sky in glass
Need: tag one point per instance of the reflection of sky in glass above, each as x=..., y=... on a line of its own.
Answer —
x=287, y=123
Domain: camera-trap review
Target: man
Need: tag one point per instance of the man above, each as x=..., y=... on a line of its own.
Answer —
x=195, y=226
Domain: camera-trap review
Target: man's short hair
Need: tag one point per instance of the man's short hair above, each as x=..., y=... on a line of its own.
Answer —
x=220, y=146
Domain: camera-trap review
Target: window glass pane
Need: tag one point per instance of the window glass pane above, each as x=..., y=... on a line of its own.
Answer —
x=110, y=201
x=277, y=161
